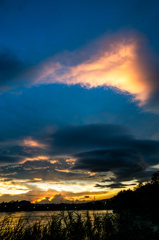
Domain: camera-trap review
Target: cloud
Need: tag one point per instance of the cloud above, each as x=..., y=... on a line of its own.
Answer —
x=86, y=196
x=117, y=151
x=74, y=139
x=38, y=195
x=10, y=159
x=121, y=61
x=57, y=198
x=31, y=143
x=11, y=69
x=32, y=195
x=33, y=171
x=15, y=153
x=70, y=197
x=98, y=148
x=114, y=185
x=124, y=163
x=77, y=152
x=146, y=175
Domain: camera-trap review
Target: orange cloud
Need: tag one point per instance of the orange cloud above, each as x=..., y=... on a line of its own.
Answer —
x=13, y=188
x=55, y=161
x=116, y=64
x=64, y=170
x=70, y=196
x=35, y=159
x=29, y=142
x=71, y=161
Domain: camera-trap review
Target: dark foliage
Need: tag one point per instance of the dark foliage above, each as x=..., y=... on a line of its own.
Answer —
x=143, y=200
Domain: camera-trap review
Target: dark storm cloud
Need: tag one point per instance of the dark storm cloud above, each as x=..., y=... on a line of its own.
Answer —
x=146, y=175
x=114, y=185
x=74, y=139
x=10, y=69
x=124, y=163
x=116, y=150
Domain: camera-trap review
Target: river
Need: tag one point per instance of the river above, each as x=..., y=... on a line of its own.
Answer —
x=44, y=216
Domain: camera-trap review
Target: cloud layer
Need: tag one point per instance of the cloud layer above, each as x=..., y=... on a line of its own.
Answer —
x=95, y=148
x=74, y=158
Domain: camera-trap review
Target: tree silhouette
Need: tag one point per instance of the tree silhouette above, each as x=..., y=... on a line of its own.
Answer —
x=155, y=178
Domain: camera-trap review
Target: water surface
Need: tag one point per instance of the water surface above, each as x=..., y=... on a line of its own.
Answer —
x=45, y=216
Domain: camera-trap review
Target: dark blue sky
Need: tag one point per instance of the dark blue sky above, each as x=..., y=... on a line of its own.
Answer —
x=83, y=67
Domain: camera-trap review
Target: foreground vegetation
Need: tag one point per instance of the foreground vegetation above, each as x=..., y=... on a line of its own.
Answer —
x=76, y=227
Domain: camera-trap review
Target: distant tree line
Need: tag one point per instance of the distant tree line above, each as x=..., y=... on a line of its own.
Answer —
x=16, y=206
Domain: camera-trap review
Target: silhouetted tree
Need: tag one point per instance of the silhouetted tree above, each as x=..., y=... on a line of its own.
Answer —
x=155, y=177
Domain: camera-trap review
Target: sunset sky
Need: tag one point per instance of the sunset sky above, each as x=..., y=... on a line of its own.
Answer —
x=79, y=98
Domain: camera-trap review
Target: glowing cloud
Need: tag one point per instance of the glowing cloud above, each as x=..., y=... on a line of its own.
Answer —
x=118, y=62
x=64, y=170
x=28, y=142
x=71, y=161
x=38, y=179
x=35, y=159
x=12, y=188
x=54, y=161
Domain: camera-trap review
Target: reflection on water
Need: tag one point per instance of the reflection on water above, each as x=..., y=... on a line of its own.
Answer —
x=45, y=216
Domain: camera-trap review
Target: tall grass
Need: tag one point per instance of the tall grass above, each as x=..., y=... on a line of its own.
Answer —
x=73, y=226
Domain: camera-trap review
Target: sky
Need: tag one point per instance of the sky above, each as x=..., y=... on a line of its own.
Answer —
x=79, y=98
